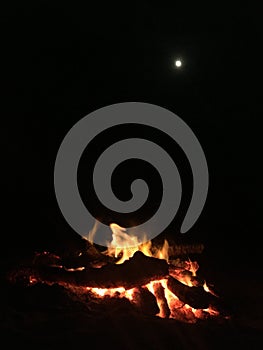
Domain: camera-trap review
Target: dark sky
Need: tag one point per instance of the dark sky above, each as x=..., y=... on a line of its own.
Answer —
x=62, y=61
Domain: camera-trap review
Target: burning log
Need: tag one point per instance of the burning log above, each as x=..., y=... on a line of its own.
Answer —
x=45, y=259
x=161, y=300
x=196, y=297
x=138, y=270
x=145, y=301
x=91, y=258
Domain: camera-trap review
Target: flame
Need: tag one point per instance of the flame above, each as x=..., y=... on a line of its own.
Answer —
x=163, y=252
x=92, y=232
x=193, y=267
x=126, y=245
x=123, y=244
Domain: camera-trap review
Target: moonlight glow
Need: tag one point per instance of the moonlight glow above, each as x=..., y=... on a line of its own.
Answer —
x=178, y=63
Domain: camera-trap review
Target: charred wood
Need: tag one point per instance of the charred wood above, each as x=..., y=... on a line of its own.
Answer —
x=145, y=301
x=196, y=297
x=138, y=270
x=161, y=300
x=176, y=250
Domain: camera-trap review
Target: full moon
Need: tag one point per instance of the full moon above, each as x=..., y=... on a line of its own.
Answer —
x=178, y=63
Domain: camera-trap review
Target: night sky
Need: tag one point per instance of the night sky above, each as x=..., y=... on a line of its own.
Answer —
x=60, y=62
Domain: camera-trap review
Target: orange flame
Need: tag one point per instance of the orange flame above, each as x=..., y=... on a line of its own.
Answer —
x=126, y=245
x=92, y=232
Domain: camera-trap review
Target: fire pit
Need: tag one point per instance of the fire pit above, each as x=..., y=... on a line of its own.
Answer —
x=151, y=280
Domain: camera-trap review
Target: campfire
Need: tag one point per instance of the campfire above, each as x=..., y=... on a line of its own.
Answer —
x=155, y=281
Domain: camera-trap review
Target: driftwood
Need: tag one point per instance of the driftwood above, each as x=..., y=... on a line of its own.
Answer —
x=137, y=271
x=196, y=297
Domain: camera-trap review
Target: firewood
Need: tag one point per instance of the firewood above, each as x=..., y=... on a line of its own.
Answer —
x=145, y=301
x=196, y=297
x=176, y=250
x=138, y=270
x=90, y=258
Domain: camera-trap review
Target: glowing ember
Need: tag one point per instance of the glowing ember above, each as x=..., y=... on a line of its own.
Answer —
x=112, y=292
x=76, y=269
x=177, y=309
x=206, y=288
